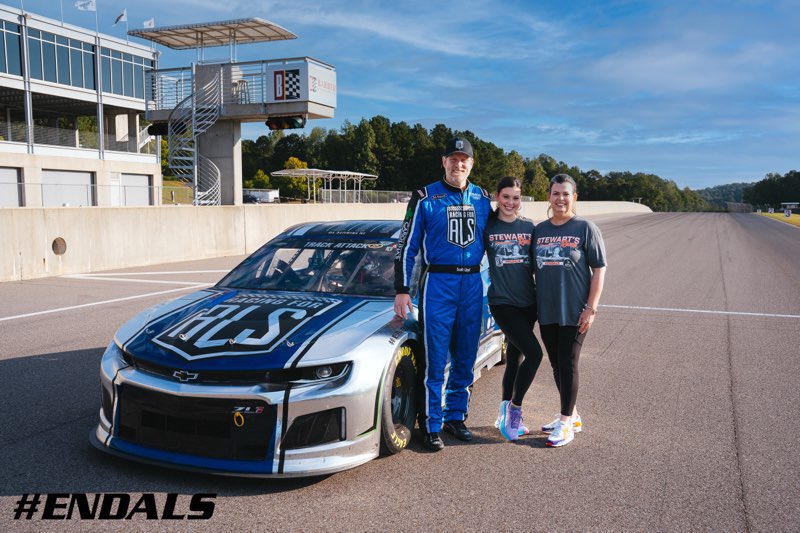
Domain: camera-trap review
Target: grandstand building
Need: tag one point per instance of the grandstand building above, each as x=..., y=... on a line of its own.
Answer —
x=72, y=103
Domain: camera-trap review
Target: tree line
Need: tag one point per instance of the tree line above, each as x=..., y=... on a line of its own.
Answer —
x=406, y=157
x=774, y=189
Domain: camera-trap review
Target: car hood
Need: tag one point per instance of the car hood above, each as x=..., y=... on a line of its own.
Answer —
x=235, y=329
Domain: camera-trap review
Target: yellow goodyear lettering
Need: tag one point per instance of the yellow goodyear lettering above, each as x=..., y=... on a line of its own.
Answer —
x=405, y=351
x=398, y=441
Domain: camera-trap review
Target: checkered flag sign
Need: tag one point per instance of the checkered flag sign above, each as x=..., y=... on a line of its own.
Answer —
x=293, y=84
x=287, y=84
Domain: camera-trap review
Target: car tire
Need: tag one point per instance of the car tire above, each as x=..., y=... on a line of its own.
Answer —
x=399, y=406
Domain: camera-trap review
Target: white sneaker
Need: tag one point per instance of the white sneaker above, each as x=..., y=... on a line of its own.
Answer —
x=577, y=424
x=523, y=429
x=562, y=434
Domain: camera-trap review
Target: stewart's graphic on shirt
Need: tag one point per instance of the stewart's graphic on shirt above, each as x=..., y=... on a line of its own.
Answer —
x=563, y=251
x=510, y=248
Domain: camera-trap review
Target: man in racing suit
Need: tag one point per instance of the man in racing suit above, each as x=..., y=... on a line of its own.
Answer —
x=445, y=223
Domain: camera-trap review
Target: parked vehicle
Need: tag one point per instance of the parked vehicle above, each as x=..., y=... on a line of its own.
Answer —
x=294, y=364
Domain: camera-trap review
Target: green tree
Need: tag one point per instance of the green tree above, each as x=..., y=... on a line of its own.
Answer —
x=166, y=172
x=291, y=186
x=364, y=158
x=259, y=181
x=536, y=181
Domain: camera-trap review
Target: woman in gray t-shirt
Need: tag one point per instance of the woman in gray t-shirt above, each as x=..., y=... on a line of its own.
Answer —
x=570, y=269
x=512, y=301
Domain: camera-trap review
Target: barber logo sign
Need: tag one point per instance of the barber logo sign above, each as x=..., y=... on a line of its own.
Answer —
x=243, y=325
x=461, y=222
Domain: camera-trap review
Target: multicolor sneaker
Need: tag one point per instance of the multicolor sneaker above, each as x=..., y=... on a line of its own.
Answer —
x=509, y=422
x=523, y=429
x=577, y=424
x=562, y=434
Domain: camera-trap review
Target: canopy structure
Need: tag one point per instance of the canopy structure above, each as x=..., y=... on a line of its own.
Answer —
x=208, y=34
x=328, y=176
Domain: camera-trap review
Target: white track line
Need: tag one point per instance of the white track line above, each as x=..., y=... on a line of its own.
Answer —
x=131, y=280
x=91, y=304
x=705, y=311
x=146, y=273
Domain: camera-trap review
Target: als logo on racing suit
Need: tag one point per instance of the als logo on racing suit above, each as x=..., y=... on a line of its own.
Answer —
x=243, y=325
x=461, y=221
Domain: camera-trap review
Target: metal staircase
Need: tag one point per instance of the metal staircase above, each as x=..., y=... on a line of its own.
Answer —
x=192, y=117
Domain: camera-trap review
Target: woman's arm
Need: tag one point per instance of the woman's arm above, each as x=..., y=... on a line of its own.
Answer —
x=595, y=290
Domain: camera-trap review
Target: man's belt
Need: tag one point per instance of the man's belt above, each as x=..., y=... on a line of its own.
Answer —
x=453, y=269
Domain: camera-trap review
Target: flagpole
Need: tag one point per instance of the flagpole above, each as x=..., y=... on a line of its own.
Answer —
x=62, y=11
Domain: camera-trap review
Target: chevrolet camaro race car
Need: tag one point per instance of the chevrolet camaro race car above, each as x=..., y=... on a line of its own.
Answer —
x=294, y=364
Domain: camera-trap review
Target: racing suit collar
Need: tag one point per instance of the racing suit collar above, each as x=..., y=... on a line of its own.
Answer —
x=453, y=188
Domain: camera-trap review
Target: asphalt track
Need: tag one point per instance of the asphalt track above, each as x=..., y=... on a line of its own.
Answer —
x=689, y=383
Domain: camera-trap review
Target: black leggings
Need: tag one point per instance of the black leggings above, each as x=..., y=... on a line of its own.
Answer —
x=563, y=344
x=517, y=325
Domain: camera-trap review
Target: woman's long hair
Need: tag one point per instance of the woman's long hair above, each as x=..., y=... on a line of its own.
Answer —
x=505, y=181
x=562, y=178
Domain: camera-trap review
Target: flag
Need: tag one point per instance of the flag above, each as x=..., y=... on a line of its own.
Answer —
x=150, y=23
x=86, y=5
x=122, y=17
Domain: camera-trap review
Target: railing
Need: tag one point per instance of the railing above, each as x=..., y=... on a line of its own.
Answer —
x=82, y=195
x=336, y=196
x=166, y=88
x=248, y=82
x=193, y=116
x=68, y=138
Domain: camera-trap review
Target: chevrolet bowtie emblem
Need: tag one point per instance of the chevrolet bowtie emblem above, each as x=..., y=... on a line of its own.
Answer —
x=184, y=376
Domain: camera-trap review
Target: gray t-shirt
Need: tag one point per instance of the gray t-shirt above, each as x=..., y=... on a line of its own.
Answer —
x=563, y=256
x=508, y=247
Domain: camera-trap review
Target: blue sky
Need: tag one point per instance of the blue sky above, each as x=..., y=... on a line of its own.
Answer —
x=701, y=93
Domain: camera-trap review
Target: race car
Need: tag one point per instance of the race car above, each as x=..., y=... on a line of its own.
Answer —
x=294, y=364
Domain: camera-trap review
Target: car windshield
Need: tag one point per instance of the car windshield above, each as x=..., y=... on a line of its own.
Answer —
x=345, y=267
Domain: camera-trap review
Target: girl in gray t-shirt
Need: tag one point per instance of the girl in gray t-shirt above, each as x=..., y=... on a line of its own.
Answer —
x=570, y=269
x=512, y=301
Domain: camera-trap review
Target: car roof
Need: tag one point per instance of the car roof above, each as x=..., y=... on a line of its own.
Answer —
x=347, y=229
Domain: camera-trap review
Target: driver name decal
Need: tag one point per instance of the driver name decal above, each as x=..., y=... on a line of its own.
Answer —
x=242, y=325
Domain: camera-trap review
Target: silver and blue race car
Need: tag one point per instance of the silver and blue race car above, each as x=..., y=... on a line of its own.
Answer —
x=294, y=364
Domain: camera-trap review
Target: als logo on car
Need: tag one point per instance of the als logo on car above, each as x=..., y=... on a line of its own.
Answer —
x=242, y=325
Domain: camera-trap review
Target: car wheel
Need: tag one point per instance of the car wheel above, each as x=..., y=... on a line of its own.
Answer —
x=399, y=411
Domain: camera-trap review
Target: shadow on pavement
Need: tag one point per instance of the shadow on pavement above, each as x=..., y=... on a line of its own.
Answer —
x=50, y=405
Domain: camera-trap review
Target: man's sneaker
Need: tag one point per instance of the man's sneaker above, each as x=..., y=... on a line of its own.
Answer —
x=509, y=422
x=523, y=429
x=577, y=425
x=457, y=429
x=562, y=434
x=432, y=441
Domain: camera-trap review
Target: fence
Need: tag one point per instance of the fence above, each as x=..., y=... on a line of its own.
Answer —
x=70, y=195
x=89, y=195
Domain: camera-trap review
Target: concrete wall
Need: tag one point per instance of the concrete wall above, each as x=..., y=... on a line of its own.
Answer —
x=99, y=238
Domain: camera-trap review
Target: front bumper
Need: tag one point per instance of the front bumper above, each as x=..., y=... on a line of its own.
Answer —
x=245, y=430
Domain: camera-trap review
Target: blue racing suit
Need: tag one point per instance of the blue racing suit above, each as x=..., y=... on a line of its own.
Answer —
x=446, y=226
